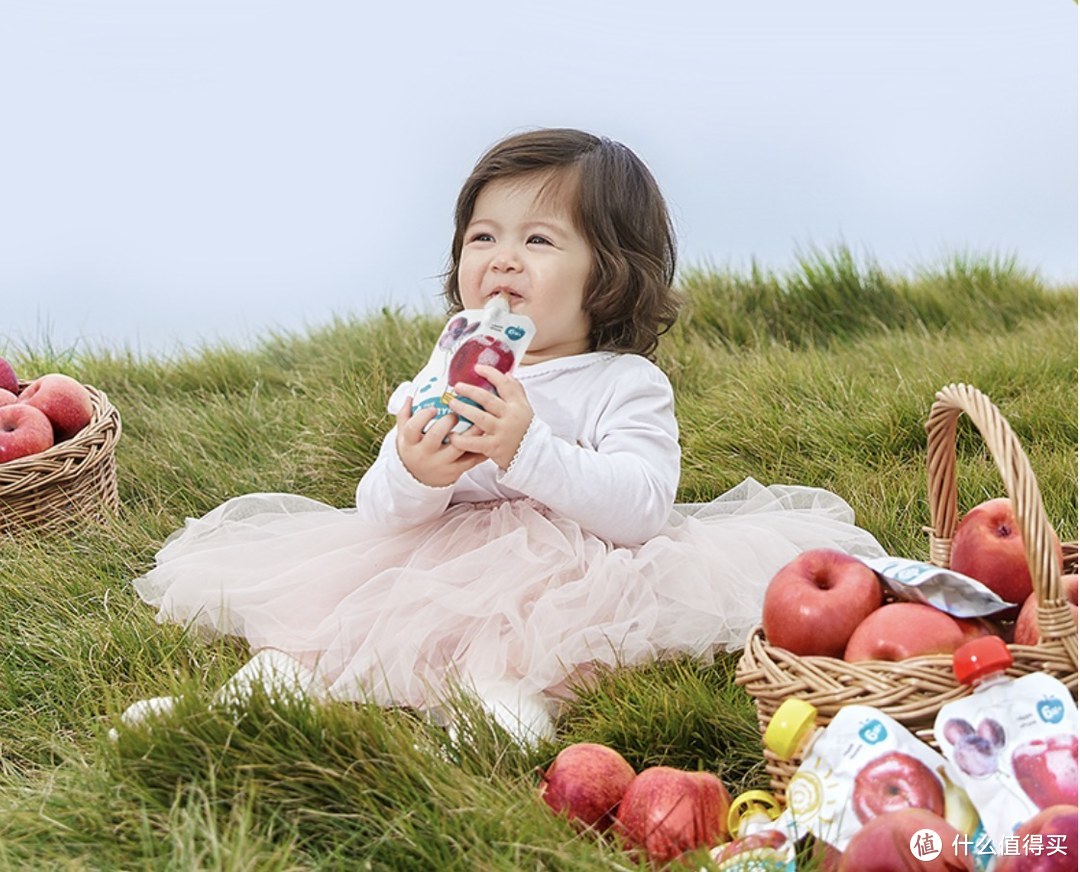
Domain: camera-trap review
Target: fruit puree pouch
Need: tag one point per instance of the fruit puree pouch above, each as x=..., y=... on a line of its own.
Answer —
x=763, y=836
x=493, y=336
x=863, y=764
x=953, y=592
x=1012, y=742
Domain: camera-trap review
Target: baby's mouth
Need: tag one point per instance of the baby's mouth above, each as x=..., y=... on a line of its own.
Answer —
x=507, y=294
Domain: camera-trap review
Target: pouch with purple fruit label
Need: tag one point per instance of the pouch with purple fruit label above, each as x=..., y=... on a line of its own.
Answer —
x=952, y=592
x=493, y=336
x=862, y=765
x=1012, y=743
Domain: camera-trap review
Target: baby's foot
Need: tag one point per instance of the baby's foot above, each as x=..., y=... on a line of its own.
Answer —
x=525, y=716
x=139, y=711
x=279, y=675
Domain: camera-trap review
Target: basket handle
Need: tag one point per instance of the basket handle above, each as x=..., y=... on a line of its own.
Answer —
x=1020, y=484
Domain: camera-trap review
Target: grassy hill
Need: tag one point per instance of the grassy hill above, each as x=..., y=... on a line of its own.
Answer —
x=820, y=375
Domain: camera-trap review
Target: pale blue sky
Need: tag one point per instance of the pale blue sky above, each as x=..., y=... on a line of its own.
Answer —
x=175, y=172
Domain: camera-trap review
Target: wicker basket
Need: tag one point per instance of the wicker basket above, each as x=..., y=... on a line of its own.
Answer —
x=913, y=690
x=74, y=480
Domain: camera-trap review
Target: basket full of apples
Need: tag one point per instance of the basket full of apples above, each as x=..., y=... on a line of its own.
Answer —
x=895, y=655
x=57, y=452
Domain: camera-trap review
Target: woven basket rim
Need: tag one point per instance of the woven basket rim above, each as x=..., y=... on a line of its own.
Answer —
x=72, y=456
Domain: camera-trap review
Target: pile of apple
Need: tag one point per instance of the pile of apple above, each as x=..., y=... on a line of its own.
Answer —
x=661, y=811
x=828, y=603
x=50, y=409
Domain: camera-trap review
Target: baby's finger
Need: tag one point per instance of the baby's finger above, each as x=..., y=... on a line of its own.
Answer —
x=485, y=420
x=482, y=396
x=411, y=425
x=441, y=428
x=506, y=385
x=469, y=442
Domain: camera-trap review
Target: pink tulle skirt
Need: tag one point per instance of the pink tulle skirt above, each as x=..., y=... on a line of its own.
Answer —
x=498, y=593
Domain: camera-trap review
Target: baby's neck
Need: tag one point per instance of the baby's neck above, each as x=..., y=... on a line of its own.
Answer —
x=531, y=359
x=554, y=352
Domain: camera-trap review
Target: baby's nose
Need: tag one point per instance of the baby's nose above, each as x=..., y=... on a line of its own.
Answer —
x=506, y=259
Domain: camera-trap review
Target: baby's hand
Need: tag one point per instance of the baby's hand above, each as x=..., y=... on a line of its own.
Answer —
x=428, y=457
x=500, y=425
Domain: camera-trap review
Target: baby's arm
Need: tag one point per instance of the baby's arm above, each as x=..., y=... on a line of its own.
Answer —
x=621, y=485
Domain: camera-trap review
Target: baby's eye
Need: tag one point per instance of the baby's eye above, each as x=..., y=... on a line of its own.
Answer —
x=539, y=240
x=481, y=237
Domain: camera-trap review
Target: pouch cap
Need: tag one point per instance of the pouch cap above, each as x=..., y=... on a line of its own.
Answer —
x=789, y=727
x=979, y=658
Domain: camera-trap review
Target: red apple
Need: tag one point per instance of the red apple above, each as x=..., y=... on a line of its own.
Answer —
x=487, y=350
x=987, y=546
x=1026, y=631
x=24, y=430
x=1046, y=842
x=585, y=782
x=815, y=602
x=8, y=380
x=900, y=630
x=7, y=397
x=894, y=781
x=1046, y=770
x=63, y=400
x=667, y=812
x=888, y=843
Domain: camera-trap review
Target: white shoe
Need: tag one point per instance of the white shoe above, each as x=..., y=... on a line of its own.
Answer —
x=139, y=711
x=525, y=716
x=278, y=674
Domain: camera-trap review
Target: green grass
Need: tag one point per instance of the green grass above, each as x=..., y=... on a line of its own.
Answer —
x=820, y=375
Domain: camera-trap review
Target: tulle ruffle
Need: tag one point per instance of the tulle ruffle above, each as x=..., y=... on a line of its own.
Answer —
x=500, y=594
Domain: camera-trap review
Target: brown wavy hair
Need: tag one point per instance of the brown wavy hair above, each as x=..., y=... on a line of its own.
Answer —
x=617, y=206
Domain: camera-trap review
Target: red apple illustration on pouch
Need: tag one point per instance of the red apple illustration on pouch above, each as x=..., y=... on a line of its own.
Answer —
x=766, y=840
x=486, y=350
x=896, y=781
x=1046, y=770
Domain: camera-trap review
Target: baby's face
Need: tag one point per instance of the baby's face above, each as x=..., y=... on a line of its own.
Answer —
x=527, y=247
